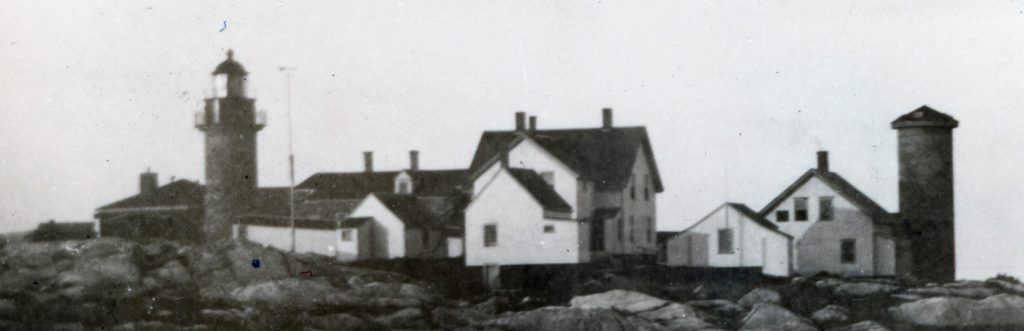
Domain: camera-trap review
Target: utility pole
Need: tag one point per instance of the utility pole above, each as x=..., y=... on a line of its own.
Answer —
x=291, y=157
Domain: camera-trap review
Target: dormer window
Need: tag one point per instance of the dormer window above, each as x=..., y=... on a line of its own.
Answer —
x=403, y=184
x=403, y=187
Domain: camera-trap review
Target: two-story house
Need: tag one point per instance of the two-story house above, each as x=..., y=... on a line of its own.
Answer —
x=589, y=192
x=836, y=228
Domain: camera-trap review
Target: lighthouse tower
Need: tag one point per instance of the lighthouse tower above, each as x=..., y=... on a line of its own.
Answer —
x=230, y=123
x=926, y=250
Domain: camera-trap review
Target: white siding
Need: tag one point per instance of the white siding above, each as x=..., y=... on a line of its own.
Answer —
x=521, y=239
x=816, y=245
x=753, y=244
x=527, y=154
x=454, y=247
x=388, y=231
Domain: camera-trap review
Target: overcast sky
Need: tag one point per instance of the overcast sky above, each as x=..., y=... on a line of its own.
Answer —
x=736, y=96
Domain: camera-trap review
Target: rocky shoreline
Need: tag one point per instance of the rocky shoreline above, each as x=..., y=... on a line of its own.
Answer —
x=112, y=284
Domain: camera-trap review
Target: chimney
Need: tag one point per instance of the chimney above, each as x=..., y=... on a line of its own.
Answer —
x=607, y=117
x=823, y=161
x=520, y=121
x=533, y=124
x=147, y=182
x=414, y=160
x=368, y=162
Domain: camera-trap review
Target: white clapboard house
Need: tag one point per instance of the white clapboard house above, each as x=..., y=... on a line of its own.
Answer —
x=564, y=196
x=732, y=236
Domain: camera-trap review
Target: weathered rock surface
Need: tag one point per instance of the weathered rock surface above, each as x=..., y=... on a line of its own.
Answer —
x=677, y=316
x=1002, y=311
x=624, y=301
x=944, y=291
x=831, y=315
x=720, y=307
x=571, y=319
x=766, y=316
x=453, y=318
x=759, y=295
x=342, y=321
x=861, y=326
x=1006, y=286
x=408, y=318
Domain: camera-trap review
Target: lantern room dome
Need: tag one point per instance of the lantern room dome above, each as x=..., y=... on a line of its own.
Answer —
x=230, y=66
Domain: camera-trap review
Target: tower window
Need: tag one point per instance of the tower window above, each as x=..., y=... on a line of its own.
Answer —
x=848, y=250
x=725, y=241
x=825, y=208
x=800, y=207
x=650, y=229
x=782, y=216
x=549, y=229
x=346, y=235
x=490, y=235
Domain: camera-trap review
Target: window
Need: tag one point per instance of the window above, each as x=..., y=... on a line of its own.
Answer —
x=782, y=216
x=650, y=229
x=549, y=229
x=346, y=235
x=800, y=204
x=725, y=241
x=632, y=191
x=647, y=187
x=549, y=177
x=632, y=229
x=490, y=235
x=825, y=208
x=619, y=227
x=403, y=187
x=848, y=251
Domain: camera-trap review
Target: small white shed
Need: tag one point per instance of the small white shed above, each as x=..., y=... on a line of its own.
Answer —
x=732, y=236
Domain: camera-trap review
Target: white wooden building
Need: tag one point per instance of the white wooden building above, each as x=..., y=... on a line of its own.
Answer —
x=732, y=236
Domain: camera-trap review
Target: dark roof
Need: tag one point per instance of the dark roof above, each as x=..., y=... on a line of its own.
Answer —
x=924, y=116
x=540, y=190
x=356, y=185
x=230, y=66
x=418, y=212
x=355, y=222
x=840, y=185
x=605, y=156
x=64, y=231
x=284, y=221
x=180, y=192
x=270, y=201
x=750, y=213
x=662, y=236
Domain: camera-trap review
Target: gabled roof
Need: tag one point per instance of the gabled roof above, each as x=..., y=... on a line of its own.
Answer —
x=750, y=213
x=356, y=185
x=838, y=184
x=348, y=185
x=924, y=116
x=746, y=211
x=540, y=190
x=270, y=201
x=177, y=193
x=419, y=212
x=605, y=156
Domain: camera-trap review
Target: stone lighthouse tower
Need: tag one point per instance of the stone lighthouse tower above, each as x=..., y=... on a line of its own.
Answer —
x=926, y=250
x=230, y=123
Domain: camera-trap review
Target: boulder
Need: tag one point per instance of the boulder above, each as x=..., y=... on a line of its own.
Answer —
x=625, y=301
x=998, y=311
x=1006, y=286
x=453, y=318
x=861, y=326
x=111, y=276
x=861, y=290
x=767, y=316
x=720, y=307
x=570, y=319
x=677, y=316
x=8, y=309
x=944, y=291
x=291, y=293
x=759, y=295
x=831, y=315
x=494, y=305
x=342, y=321
x=408, y=318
